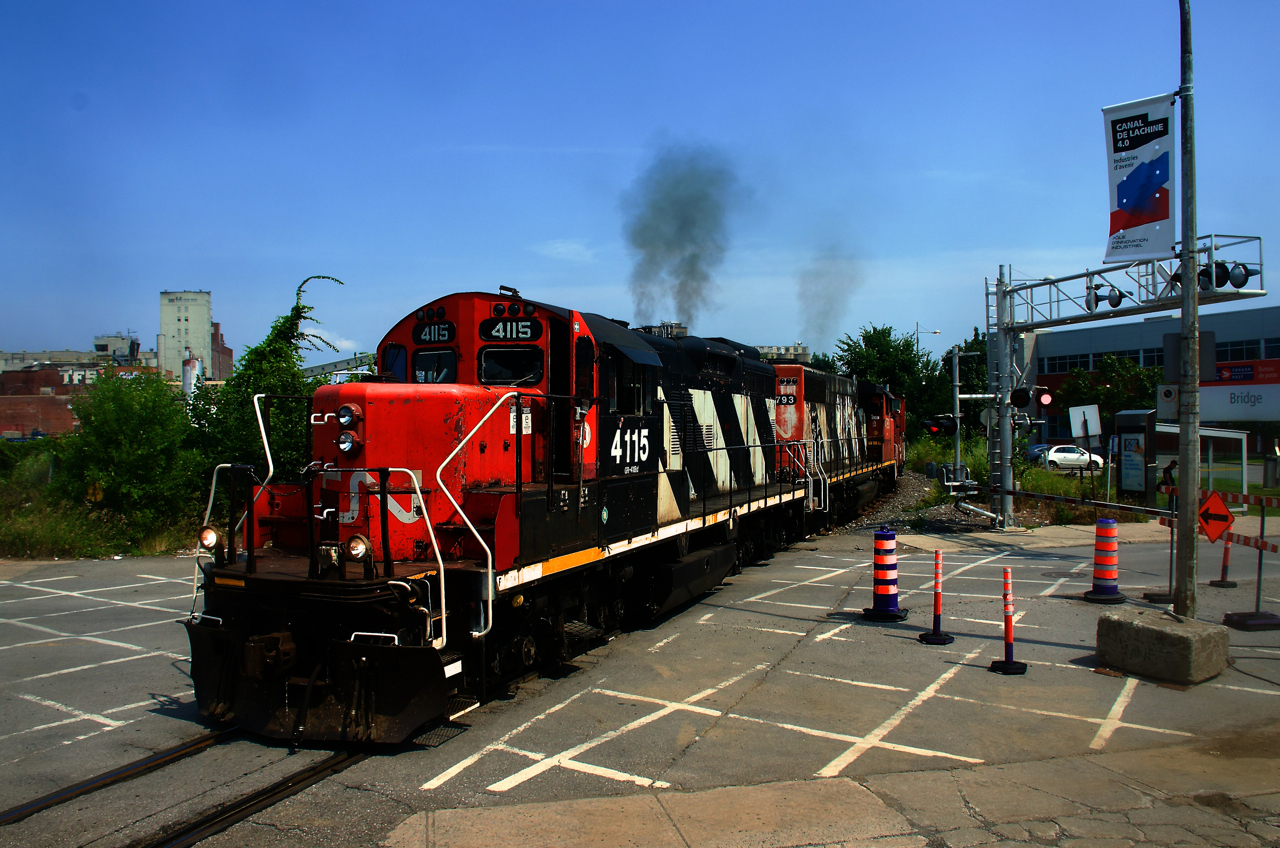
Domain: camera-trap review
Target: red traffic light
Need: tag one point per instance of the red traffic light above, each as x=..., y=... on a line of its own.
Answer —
x=943, y=425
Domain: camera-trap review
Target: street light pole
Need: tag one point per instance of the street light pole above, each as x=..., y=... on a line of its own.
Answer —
x=1184, y=593
x=918, y=332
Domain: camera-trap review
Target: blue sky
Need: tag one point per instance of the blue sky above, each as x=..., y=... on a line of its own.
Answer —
x=414, y=149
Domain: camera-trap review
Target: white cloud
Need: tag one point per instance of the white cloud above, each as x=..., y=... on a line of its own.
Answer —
x=567, y=249
x=343, y=345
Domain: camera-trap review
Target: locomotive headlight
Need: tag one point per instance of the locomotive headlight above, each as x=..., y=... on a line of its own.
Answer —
x=356, y=548
x=348, y=415
x=348, y=442
x=209, y=537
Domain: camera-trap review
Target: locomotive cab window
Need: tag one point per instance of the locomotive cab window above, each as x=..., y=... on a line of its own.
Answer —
x=510, y=366
x=395, y=361
x=628, y=386
x=435, y=366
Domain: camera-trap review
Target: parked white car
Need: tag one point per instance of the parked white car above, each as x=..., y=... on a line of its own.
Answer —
x=1069, y=456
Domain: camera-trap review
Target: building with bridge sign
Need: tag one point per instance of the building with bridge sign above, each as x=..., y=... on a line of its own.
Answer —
x=1244, y=385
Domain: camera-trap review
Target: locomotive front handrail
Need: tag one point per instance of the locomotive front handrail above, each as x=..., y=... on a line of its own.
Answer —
x=440, y=643
x=271, y=463
x=488, y=554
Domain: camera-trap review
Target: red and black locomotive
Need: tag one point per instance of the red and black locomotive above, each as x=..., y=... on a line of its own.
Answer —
x=517, y=481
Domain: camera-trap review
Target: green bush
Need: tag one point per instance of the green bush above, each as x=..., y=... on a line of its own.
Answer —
x=131, y=456
x=941, y=449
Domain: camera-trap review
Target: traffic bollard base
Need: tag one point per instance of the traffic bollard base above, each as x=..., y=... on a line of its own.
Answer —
x=1008, y=667
x=873, y=614
x=1097, y=598
x=1252, y=620
x=1223, y=584
x=936, y=638
x=1157, y=597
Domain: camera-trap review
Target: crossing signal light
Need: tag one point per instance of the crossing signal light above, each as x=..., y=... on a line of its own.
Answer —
x=1022, y=396
x=943, y=425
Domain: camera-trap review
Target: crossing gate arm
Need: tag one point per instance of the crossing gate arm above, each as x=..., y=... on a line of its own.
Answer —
x=1233, y=538
x=1140, y=510
x=1230, y=497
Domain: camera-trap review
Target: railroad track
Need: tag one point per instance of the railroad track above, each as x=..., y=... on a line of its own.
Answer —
x=215, y=821
x=240, y=809
x=137, y=768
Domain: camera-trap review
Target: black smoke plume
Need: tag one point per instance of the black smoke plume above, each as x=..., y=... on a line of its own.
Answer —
x=676, y=227
x=824, y=289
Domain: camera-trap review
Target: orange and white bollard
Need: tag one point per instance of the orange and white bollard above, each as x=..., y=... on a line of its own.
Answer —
x=1008, y=665
x=1222, y=582
x=884, y=600
x=1106, y=564
x=937, y=637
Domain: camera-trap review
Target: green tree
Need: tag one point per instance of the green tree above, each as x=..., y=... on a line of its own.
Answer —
x=226, y=424
x=825, y=362
x=132, y=456
x=1115, y=385
x=973, y=381
x=882, y=356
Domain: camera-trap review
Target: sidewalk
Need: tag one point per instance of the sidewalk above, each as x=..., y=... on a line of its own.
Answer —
x=1213, y=792
x=1063, y=536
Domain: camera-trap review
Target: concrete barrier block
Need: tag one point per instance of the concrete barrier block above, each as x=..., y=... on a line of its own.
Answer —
x=1154, y=644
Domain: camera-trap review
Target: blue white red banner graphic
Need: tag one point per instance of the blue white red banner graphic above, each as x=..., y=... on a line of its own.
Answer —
x=1140, y=164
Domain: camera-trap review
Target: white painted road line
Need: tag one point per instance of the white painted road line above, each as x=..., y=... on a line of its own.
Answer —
x=97, y=665
x=569, y=754
x=833, y=768
x=1052, y=714
x=1112, y=721
x=80, y=714
x=96, y=639
x=1058, y=585
x=831, y=633
x=929, y=585
x=749, y=627
x=849, y=682
x=456, y=769
x=844, y=737
x=763, y=595
x=665, y=641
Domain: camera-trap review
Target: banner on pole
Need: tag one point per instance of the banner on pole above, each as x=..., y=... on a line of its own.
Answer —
x=1140, y=168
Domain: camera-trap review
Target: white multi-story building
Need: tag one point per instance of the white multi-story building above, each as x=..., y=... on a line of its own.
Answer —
x=186, y=324
x=795, y=353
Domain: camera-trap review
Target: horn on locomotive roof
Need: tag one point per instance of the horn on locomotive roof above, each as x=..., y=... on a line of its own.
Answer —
x=508, y=290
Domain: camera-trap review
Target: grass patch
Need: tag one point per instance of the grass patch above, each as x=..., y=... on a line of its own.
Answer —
x=36, y=522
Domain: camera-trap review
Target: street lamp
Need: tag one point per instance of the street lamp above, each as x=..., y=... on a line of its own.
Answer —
x=918, y=332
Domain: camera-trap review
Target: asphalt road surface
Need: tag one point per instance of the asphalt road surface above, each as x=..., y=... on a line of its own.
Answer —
x=772, y=677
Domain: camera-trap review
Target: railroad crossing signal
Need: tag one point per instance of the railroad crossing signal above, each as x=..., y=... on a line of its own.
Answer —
x=1215, y=518
x=1022, y=396
x=943, y=425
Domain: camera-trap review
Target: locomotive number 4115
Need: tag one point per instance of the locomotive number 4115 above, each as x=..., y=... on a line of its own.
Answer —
x=630, y=446
x=510, y=330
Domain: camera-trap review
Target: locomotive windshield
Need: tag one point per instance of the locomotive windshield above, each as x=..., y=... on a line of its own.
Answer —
x=435, y=366
x=511, y=366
